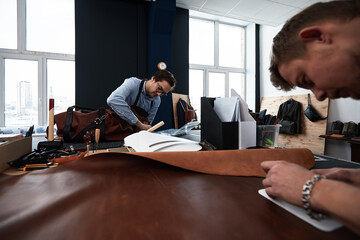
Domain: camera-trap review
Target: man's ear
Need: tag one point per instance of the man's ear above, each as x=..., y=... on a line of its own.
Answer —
x=314, y=33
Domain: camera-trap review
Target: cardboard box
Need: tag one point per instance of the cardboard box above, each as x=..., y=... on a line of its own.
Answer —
x=13, y=150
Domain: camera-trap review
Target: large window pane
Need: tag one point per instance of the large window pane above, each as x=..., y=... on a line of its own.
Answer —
x=201, y=43
x=21, y=92
x=216, y=84
x=196, y=89
x=231, y=46
x=61, y=84
x=8, y=24
x=50, y=26
x=236, y=81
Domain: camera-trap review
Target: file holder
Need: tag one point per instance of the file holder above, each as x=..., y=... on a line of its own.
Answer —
x=223, y=135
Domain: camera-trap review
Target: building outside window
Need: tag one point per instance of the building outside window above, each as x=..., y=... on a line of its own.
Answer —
x=37, y=60
x=216, y=59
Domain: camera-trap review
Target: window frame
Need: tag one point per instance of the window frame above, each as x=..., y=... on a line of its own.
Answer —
x=216, y=68
x=22, y=54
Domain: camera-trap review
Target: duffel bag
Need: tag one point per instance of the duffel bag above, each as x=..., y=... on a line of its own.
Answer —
x=73, y=124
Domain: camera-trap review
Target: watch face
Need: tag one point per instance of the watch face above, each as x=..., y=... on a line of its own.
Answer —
x=161, y=66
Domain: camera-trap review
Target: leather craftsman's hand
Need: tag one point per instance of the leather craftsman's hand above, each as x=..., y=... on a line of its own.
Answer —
x=351, y=176
x=141, y=126
x=285, y=180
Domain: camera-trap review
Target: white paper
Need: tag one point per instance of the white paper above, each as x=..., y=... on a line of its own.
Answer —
x=225, y=108
x=247, y=124
x=328, y=224
x=145, y=141
x=243, y=107
x=247, y=134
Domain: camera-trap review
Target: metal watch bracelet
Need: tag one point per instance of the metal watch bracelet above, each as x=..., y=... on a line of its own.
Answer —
x=306, y=197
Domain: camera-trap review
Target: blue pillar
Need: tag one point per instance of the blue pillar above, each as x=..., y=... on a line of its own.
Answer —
x=161, y=20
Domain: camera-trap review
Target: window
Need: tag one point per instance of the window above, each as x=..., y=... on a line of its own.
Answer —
x=50, y=26
x=201, y=47
x=61, y=79
x=8, y=24
x=231, y=46
x=37, y=59
x=21, y=87
x=217, y=60
x=196, y=89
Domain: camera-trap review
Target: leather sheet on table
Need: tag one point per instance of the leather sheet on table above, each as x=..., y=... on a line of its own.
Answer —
x=136, y=196
x=225, y=162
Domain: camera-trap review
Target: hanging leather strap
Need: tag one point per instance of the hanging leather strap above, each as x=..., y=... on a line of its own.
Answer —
x=139, y=112
x=139, y=92
x=68, y=123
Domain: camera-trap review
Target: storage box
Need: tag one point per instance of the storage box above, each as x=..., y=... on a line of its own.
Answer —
x=267, y=135
x=223, y=135
x=14, y=149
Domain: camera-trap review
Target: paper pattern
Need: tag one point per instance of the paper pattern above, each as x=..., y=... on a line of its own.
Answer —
x=145, y=141
x=327, y=225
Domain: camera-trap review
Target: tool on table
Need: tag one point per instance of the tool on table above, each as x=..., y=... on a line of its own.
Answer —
x=51, y=120
x=156, y=126
x=97, y=137
x=87, y=140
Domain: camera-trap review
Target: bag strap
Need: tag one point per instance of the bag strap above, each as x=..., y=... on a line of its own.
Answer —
x=68, y=123
x=99, y=121
x=186, y=105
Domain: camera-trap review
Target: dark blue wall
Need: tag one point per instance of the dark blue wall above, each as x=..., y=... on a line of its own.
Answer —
x=112, y=43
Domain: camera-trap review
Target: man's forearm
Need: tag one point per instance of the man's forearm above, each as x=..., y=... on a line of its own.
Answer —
x=338, y=199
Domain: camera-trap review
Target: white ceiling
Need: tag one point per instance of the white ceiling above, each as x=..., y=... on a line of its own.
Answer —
x=265, y=12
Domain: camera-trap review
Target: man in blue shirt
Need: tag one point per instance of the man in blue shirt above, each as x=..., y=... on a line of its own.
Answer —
x=141, y=96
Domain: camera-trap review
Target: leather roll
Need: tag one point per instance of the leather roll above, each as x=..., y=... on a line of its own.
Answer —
x=225, y=162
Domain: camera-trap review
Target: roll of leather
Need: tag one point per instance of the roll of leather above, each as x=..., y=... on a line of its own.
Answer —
x=225, y=162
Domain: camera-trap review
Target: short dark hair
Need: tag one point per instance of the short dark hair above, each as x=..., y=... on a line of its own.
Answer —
x=166, y=76
x=287, y=44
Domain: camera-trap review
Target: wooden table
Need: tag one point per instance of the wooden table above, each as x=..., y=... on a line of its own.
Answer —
x=137, y=198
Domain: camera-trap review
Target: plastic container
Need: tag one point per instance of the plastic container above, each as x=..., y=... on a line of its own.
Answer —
x=267, y=135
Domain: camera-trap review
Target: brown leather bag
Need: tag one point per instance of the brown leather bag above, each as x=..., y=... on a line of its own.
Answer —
x=73, y=124
x=189, y=112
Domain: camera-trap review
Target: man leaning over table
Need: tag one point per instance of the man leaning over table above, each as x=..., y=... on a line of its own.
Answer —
x=319, y=49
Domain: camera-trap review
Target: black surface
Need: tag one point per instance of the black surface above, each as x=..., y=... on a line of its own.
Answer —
x=325, y=162
x=101, y=145
x=257, y=68
x=111, y=45
x=180, y=51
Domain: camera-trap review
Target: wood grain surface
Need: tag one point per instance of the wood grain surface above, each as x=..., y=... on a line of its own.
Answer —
x=309, y=138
